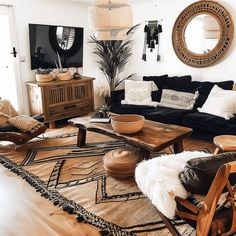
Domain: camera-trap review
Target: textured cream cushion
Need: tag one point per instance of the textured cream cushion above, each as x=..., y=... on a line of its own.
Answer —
x=25, y=123
x=6, y=111
x=220, y=102
x=138, y=93
x=178, y=100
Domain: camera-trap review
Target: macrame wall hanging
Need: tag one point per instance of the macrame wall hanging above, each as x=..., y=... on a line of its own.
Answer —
x=152, y=32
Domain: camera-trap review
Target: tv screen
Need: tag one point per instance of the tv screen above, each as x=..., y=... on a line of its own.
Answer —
x=49, y=41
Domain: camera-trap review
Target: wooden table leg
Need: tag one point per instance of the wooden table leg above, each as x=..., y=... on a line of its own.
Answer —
x=178, y=146
x=52, y=124
x=81, y=138
x=217, y=151
x=169, y=224
x=145, y=154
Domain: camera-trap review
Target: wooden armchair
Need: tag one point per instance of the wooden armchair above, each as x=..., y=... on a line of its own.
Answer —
x=12, y=134
x=212, y=218
x=10, y=119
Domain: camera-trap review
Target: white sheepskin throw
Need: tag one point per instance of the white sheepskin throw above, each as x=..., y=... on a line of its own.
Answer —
x=158, y=179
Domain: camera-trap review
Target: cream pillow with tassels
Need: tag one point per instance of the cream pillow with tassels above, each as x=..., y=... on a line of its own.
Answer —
x=25, y=123
x=6, y=111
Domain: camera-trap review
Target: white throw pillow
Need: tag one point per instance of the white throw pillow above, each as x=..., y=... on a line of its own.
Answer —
x=220, y=102
x=138, y=92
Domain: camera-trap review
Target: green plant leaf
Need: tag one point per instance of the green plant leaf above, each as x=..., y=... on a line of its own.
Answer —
x=113, y=57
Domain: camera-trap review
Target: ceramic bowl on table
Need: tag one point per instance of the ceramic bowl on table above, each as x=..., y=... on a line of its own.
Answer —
x=127, y=124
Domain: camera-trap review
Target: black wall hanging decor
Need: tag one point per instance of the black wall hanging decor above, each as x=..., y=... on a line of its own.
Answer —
x=152, y=32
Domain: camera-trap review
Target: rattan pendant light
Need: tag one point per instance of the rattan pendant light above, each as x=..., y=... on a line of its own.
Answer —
x=110, y=19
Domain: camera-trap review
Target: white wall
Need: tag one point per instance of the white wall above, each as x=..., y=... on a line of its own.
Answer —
x=55, y=12
x=65, y=12
x=168, y=10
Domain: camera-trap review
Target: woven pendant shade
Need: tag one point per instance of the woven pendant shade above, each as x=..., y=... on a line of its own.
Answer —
x=110, y=19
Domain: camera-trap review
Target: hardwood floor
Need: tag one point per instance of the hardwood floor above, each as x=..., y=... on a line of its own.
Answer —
x=192, y=144
x=25, y=212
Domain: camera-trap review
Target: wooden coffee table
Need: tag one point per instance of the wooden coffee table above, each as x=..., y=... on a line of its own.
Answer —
x=154, y=136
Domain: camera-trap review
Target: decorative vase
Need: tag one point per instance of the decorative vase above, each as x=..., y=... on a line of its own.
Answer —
x=64, y=76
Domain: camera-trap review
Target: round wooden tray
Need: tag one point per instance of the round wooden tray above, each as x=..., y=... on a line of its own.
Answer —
x=121, y=163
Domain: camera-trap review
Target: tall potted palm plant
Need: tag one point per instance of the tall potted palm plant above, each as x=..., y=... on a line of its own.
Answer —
x=113, y=57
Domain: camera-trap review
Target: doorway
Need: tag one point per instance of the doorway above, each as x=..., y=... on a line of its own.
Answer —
x=10, y=87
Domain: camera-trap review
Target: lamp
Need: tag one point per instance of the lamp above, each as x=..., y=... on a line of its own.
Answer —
x=110, y=19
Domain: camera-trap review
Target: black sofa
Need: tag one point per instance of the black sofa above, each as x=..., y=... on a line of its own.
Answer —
x=205, y=126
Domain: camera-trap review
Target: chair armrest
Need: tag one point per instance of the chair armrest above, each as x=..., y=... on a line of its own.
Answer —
x=187, y=204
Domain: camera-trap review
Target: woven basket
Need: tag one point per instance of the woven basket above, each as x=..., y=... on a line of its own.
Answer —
x=43, y=77
x=64, y=76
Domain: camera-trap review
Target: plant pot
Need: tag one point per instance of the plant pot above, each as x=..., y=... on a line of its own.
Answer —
x=43, y=77
x=64, y=76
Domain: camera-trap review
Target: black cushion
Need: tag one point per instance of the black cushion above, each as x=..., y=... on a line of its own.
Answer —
x=128, y=109
x=38, y=118
x=178, y=83
x=200, y=101
x=199, y=173
x=204, y=88
x=210, y=123
x=8, y=128
x=166, y=115
x=117, y=96
x=158, y=80
x=156, y=96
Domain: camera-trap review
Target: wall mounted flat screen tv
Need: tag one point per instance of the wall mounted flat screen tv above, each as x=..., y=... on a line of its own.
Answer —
x=49, y=41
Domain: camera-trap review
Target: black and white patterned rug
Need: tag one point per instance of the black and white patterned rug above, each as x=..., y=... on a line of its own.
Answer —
x=74, y=179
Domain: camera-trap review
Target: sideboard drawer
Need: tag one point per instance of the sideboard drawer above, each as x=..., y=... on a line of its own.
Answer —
x=68, y=111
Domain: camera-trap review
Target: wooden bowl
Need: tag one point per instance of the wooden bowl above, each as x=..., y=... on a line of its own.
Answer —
x=127, y=124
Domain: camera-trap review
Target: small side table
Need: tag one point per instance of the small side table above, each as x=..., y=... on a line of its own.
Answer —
x=121, y=163
x=225, y=143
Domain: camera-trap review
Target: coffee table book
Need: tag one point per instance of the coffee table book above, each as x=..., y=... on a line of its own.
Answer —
x=96, y=119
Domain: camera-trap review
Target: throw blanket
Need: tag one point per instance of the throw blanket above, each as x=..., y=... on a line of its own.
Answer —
x=158, y=180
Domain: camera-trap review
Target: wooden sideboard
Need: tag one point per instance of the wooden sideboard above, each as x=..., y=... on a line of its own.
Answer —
x=58, y=100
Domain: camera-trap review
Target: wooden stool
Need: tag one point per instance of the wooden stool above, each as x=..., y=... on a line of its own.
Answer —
x=121, y=163
x=225, y=143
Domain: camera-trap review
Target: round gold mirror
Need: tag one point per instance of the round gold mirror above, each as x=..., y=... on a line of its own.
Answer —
x=202, y=34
